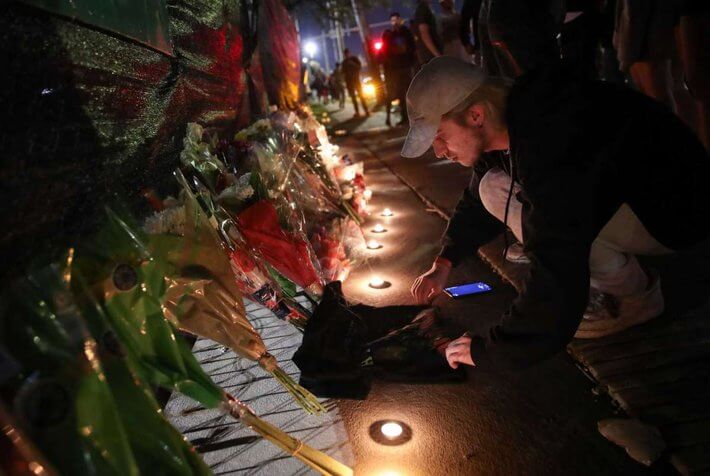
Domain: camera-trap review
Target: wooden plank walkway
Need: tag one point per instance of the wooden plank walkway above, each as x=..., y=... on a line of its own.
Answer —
x=658, y=372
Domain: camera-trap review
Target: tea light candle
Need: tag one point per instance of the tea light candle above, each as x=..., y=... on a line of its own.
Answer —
x=377, y=282
x=379, y=228
x=387, y=212
x=373, y=245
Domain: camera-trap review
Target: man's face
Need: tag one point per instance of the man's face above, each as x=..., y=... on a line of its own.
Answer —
x=461, y=143
x=395, y=21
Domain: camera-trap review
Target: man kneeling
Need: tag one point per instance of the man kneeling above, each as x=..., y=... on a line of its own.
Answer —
x=586, y=174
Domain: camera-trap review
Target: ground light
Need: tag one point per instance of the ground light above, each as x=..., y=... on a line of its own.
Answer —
x=387, y=212
x=390, y=432
x=377, y=282
x=373, y=245
x=379, y=228
x=368, y=89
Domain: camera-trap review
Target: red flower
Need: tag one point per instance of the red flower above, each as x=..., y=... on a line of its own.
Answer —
x=286, y=252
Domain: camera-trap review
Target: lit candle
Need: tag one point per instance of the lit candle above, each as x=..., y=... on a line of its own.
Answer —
x=379, y=228
x=387, y=212
x=367, y=194
x=392, y=429
x=377, y=282
x=373, y=245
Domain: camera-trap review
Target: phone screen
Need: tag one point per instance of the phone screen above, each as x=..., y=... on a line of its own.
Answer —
x=468, y=289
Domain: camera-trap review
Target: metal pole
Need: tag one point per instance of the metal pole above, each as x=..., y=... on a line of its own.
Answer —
x=325, y=52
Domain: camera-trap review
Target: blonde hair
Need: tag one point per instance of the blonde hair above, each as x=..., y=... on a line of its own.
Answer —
x=493, y=94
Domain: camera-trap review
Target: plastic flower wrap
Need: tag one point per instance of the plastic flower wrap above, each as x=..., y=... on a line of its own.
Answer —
x=155, y=444
x=197, y=154
x=59, y=393
x=203, y=297
x=130, y=287
x=20, y=457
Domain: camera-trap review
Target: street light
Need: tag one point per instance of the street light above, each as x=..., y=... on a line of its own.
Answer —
x=310, y=48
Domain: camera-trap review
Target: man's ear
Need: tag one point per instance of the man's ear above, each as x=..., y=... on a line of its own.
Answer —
x=477, y=115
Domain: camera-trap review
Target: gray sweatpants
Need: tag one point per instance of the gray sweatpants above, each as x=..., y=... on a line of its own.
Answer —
x=613, y=266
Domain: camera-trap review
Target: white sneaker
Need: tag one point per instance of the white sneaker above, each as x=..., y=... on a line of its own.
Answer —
x=516, y=254
x=607, y=314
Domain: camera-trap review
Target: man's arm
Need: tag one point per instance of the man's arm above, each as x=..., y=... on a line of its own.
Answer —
x=470, y=226
x=425, y=36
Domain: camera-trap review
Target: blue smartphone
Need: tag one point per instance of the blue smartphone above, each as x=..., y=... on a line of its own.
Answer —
x=467, y=289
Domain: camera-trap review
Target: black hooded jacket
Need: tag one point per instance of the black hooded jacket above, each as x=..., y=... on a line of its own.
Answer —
x=579, y=149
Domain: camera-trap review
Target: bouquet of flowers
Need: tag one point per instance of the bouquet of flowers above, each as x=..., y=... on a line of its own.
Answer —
x=272, y=226
x=130, y=298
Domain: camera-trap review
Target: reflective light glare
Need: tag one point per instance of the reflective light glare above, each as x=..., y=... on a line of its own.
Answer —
x=340, y=132
x=349, y=175
x=387, y=212
x=367, y=194
x=373, y=245
x=392, y=429
x=379, y=228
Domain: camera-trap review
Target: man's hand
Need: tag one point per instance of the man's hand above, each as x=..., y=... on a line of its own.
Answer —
x=459, y=352
x=427, y=286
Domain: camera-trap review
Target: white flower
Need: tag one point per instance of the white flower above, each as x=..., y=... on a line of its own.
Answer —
x=170, y=221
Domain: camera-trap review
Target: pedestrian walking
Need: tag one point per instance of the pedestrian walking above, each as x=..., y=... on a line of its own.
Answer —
x=351, y=72
x=399, y=58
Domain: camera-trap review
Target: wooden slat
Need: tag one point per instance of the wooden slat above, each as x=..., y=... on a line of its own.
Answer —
x=639, y=398
x=673, y=414
x=646, y=346
x=663, y=325
x=655, y=376
x=694, y=460
x=649, y=361
x=687, y=434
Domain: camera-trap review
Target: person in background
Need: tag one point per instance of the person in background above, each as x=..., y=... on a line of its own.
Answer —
x=399, y=58
x=604, y=174
x=469, y=28
x=643, y=39
x=351, y=72
x=581, y=34
x=427, y=34
x=517, y=36
x=693, y=41
x=450, y=27
x=336, y=85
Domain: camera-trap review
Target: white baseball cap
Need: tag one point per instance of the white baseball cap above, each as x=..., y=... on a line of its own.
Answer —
x=441, y=85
